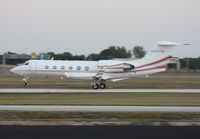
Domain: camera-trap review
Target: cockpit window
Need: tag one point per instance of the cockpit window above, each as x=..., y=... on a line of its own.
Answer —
x=26, y=63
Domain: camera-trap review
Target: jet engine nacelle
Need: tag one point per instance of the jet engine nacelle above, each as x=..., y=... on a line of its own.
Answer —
x=125, y=67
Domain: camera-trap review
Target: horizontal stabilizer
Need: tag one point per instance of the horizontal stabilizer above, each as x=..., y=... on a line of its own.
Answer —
x=167, y=43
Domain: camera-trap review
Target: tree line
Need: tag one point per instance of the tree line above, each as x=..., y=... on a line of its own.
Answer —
x=190, y=63
x=109, y=53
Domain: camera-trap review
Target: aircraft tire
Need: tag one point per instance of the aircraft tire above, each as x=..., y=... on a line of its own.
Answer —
x=24, y=83
x=102, y=86
x=95, y=86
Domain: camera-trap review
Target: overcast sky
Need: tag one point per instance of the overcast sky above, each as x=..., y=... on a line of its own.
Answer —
x=89, y=26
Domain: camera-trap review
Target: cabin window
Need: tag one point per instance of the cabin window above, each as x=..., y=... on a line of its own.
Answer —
x=62, y=67
x=46, y=67
x=70, y=67
x=86, y=68
x=26, y=63
x=54, y=67
x=78, y=68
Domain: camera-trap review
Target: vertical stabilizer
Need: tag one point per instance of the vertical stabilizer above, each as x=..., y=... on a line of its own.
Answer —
x=161, y=50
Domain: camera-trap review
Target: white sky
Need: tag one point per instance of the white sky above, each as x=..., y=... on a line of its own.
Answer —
x=89, y=26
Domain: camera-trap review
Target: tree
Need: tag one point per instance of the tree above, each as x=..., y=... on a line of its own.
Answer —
x=115, y=52
x=190, y=63
x=66, y=56
x=194, y=63
x=139, y=52
x=51, y=54
x=184, y=63
x=78, y=57
x=93, y=57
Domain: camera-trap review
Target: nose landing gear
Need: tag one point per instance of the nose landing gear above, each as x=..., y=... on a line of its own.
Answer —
x=24, y=81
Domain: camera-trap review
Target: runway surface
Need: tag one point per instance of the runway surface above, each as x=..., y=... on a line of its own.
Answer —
x=99, y=132
x=30, y=90
x=99, y=108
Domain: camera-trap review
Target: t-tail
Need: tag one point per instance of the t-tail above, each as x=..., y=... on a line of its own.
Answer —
x=159, y=55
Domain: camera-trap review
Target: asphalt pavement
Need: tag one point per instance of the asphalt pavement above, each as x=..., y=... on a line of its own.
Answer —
x=99, y=108
x=49, y=90
x=99, y=132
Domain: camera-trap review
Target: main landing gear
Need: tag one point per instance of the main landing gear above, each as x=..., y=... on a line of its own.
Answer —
x=25, y=81
x=99, y=86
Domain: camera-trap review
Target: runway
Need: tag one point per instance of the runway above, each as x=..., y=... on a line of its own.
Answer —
x=100, y=132
x=99, y=108
x=45, y=90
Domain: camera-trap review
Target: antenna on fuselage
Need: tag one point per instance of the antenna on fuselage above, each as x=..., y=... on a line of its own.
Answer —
x=52, y=58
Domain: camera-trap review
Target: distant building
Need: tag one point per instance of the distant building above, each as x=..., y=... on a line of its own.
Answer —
x=43, y=56
x=174, y=64
x=13, y=58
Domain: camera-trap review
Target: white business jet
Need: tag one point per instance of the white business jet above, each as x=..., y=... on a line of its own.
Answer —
x=100, y=71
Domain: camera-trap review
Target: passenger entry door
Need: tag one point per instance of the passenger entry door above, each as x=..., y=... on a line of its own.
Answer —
x=33, y=68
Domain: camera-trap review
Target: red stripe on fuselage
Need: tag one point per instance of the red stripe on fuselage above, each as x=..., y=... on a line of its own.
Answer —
x=155, y=62
x=155, y=68
x=148, y=64
x=162, y=67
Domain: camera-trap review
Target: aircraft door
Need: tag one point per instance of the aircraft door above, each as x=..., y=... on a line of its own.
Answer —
x=33, y=67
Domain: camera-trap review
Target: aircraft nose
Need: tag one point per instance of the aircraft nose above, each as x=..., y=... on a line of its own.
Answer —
x=13, y=70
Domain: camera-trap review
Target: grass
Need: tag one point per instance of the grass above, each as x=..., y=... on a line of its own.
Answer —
x=161, y=80
x=141, y=117
x=144, y=99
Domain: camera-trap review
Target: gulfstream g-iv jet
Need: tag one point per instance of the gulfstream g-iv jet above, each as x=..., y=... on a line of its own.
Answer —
x=100, y=71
